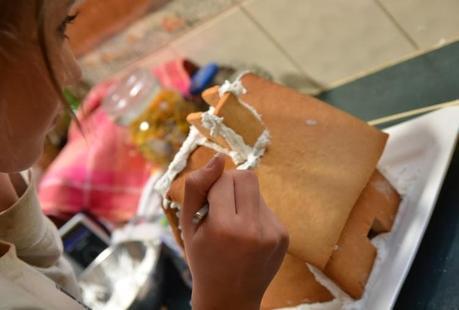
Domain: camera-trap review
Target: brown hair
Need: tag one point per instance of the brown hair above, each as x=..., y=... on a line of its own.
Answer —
x=9, y=10
x=40, y=16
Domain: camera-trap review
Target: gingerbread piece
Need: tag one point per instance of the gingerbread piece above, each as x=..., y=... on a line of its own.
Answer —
x=195, y=119
x=294, y=284
x=239, y=118
x=173, y=219
x=353, y=258
x=211, y=95
x=318, y=162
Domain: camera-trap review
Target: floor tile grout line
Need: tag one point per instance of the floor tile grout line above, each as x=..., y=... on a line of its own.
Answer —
x=399, y=27
x=260, y=27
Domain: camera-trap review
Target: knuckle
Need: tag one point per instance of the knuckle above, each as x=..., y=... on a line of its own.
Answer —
x=190, y=179
x=271, y=243
x=284, y=237
x=247, y=176
x=253, y=237
x=222, y=232
x=245, y=237
x=199, y=240
x=277, y=240
x=191, y=182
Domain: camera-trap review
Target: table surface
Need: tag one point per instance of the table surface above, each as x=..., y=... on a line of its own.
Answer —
x=433, y=281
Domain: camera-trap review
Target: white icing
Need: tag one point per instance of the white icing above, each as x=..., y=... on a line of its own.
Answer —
x=212, y=122
x=257, y=151
x=336, y=304
x=330, y=305
x=242, y=154
x=402, y=179
x=244, y=72
x=251, y=109
x=236, y=88
x=219, y=149
x=166, y=202
x=344, y=299
x=180, y=160
x=383, y=187
x=311, y=122
x=236, y=142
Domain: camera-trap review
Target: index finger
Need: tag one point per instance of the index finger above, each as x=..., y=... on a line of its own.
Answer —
x=197, y=186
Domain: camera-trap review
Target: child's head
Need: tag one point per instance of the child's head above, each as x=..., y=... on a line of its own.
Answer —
x=35, y=63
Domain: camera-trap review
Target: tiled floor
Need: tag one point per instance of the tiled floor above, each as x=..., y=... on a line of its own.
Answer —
x=428, y=22
x=306, y=44
x=233, y=39
x=331, y=40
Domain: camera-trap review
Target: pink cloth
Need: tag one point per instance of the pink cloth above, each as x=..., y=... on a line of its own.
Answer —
x=176, y=74
x=99, y=172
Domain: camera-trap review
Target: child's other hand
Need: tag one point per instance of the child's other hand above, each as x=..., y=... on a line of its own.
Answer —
x=237, y=249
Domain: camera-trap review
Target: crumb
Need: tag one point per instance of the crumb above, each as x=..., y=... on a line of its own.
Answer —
x=311, y=122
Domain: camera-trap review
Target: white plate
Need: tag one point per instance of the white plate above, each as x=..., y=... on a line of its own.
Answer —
x=415, y=160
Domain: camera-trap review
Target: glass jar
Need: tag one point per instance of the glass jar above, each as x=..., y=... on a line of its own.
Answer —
x=155, y=117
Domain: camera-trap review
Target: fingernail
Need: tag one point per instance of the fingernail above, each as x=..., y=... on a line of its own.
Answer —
x=211, y=164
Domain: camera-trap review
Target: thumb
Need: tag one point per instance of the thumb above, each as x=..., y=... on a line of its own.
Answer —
x=197, y=186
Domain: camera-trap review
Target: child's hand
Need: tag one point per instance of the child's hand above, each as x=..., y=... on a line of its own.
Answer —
x=237, y=249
